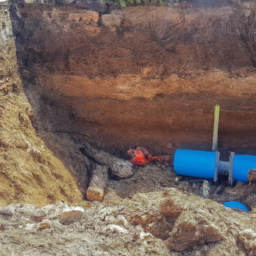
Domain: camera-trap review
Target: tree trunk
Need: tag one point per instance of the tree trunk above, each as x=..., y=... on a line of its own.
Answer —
x=119, y=169
x=98, y=182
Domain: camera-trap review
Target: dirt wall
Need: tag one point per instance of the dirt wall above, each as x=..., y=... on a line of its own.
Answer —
x=143, y=75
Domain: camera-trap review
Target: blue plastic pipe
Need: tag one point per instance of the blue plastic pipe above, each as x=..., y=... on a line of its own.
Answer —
x=236, y=205
x=200, y=164
x=206, y=165
x=242, y=165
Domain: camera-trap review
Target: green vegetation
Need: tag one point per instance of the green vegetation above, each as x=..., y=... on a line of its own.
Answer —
x=122, y=3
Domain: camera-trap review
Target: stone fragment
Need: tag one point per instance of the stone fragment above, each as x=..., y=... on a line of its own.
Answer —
x=86, y=204
x=111, y=198
x=43, y=226
x=116, y=228
x=69, y=217
x=38, y=216
x=121, y=169
x=205, y=189
x=113, y=19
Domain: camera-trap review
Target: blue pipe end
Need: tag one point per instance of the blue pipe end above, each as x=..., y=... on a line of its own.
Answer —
x=236, y=205
x=242, y=165
x=200, y=164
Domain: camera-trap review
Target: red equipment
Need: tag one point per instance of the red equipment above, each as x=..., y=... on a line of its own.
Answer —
x=140, y=157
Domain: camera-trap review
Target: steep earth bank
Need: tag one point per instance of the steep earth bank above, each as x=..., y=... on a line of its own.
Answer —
x=141, y=75
x=29, y=172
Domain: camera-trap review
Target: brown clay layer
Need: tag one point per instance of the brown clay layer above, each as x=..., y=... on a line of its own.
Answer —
x=153, y=81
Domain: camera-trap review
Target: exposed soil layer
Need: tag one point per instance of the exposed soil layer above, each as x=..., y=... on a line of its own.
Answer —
x=151, y=81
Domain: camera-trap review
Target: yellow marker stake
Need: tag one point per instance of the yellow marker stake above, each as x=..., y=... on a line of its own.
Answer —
x=215, y=128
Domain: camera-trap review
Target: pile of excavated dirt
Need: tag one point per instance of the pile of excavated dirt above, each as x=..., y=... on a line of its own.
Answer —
x=159, y=223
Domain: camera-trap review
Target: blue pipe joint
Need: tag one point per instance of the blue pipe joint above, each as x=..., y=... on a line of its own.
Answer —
x=242, y=165
x=200, y=164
